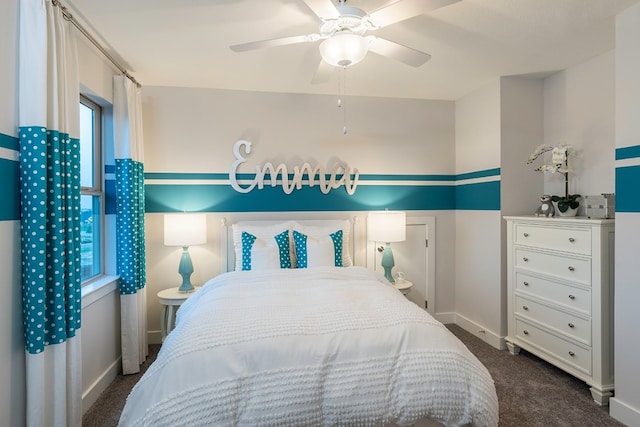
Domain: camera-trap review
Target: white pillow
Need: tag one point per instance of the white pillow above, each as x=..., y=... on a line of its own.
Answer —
x=264, y=251
x=325, y=251
x=322, y=233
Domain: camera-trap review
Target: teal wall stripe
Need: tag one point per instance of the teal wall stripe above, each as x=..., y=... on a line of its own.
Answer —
x=10, y=142
x=627, y=189
x=110, y=196
x=367, y=177
x=478, y=174
x=10, y=190
x=449, y=178
x=223, y=198
x=214, y=197
x=480, y=196
x=251, y=176
x=627, y=153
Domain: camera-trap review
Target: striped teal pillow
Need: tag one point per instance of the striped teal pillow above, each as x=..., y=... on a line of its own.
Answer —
x=323, y=251
x=261, y=255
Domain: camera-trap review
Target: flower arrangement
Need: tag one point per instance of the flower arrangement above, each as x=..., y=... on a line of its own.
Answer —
x=560, y=164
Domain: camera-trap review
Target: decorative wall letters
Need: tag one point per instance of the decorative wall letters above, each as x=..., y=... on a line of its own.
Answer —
x=339, y=174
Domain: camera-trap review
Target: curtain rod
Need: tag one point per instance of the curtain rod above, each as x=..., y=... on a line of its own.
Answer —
x=69, y=17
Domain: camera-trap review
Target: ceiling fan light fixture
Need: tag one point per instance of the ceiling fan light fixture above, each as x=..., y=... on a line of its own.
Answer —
x=344, y=49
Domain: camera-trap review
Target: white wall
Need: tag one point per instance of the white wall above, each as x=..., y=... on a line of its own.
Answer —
x=521, y=131
x=625, y=406
x=579, y=109
x=477, y=232
x=478, y=129
x=193, y=130
x=12, y=374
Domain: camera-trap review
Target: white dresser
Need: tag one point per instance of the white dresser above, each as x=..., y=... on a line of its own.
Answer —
x=560, y=295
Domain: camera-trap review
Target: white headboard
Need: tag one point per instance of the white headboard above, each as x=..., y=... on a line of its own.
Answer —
x=227, y=253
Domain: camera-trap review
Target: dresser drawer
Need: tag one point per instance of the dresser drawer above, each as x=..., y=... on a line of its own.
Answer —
x=568, y=352
x=557, y=238
x=573, y=269
x=569, y=296
x=575, y=327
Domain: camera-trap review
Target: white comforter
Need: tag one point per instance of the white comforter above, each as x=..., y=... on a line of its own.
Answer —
x=327, y=346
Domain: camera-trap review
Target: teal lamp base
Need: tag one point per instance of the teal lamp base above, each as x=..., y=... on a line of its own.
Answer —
x=388, y=263
x=185, y=269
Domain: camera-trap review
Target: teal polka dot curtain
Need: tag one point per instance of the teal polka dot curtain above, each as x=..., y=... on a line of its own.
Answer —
x=50, y=187
x=130, y=224
x=127, y=118
x=50, y=214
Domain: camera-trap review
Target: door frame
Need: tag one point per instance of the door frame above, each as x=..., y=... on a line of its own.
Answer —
x=430, y=258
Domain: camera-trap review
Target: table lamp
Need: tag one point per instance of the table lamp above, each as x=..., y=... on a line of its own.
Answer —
x=185, y=229
x=387, y=227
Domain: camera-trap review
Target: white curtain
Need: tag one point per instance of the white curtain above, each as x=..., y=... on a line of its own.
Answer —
x=50, y=214
x=127, y=112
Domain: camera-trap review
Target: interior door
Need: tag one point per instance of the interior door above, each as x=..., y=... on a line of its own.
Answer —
x=415, y=258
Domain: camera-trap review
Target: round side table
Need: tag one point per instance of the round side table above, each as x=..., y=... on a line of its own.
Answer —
x=171, y=299
x=403, y=286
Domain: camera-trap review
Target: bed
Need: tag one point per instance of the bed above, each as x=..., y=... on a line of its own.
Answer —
x=334, y=344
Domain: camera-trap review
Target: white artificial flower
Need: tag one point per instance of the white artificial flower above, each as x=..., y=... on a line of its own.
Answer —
x=558, y=155
x=542, y=148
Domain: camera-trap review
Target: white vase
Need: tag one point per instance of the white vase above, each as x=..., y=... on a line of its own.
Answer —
x=568, y=212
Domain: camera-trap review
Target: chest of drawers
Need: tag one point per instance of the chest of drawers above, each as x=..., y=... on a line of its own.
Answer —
x=560, y=295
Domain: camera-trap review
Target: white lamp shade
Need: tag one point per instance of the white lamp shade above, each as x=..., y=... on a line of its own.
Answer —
x=344, y=49
x=186, y=229
x=387, y=226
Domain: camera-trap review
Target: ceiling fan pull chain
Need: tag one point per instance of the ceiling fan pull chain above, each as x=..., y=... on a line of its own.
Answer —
x=343, y=90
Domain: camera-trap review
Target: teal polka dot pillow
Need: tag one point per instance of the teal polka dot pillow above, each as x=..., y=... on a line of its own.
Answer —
x=258, y=254
x=322, y=232
x=270, y=247
x=318, y=252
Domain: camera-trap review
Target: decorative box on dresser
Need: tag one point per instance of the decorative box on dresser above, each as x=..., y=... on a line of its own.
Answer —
x=560, y=295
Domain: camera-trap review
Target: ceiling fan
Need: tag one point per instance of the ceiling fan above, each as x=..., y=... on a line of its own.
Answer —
x=343, y=31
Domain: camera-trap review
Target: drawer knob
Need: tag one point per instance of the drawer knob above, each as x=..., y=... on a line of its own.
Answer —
x=571, y=268
x=571, y=325
x=525, y=332
x=572, y=296
x=525, y=259
x=524, y=307
x=571, y=239
x=526, y=234
x=571, y=353
x=525, y=283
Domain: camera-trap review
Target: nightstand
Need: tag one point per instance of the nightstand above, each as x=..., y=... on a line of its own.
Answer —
x=171, y=299
x=403, y=286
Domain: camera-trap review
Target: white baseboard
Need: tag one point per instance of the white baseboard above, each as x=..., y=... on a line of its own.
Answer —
x=624, y=413
x=90, y=396
x=445, y=317
x=491, y=338
x=154, y=337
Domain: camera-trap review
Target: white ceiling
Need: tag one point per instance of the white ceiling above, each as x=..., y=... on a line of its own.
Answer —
x=186, y=43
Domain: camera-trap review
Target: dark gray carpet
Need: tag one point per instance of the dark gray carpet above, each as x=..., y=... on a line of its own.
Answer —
x=531, y=392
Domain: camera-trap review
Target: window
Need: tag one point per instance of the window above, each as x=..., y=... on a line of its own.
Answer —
x=91, y=191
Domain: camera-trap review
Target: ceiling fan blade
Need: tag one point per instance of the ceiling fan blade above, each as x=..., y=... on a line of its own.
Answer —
x=405, y=9
x=323, y=8
x=399, y=52
x=280, y=41
x=323, y=73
